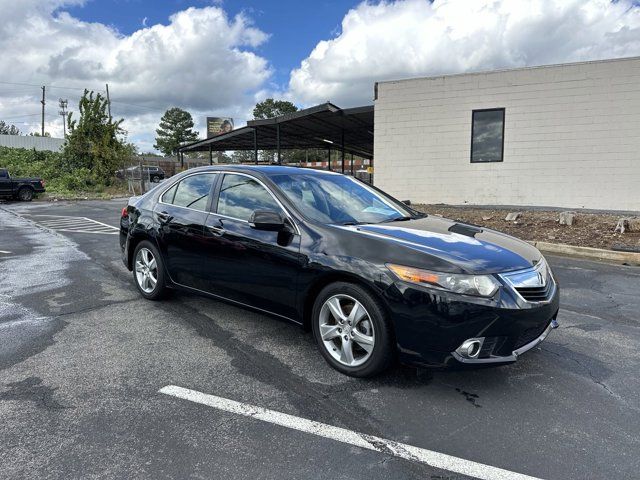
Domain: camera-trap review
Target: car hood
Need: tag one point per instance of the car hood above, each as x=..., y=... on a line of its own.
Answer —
x=473, y=249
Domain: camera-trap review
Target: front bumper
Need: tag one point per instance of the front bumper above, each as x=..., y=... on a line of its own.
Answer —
x=553, y=324
x=430, y=326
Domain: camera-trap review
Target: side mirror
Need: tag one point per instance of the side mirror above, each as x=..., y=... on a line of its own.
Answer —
x=407, y=202
x=269, y=220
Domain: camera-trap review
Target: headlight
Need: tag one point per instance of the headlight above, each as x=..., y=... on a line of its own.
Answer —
x=477, y=285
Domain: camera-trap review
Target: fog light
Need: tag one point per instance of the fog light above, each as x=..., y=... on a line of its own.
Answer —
x=470, y=348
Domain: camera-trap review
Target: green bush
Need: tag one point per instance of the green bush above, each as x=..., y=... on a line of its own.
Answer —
x=59, y=175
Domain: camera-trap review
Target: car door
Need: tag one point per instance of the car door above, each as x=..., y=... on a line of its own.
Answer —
x=180, y=215
x=5, y=183
x=254, y=267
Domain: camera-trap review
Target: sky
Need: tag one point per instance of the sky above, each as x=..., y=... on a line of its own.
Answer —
x=219, y=58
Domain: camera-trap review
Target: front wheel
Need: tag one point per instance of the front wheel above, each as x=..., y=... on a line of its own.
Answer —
x=148, y=271
x=352, y=331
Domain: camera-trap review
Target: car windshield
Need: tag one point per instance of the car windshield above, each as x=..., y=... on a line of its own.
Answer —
x=339, y=199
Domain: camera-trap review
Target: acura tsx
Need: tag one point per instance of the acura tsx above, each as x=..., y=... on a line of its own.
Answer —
x=373, y=279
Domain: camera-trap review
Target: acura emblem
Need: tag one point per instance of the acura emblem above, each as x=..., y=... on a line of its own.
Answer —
x=540, y=278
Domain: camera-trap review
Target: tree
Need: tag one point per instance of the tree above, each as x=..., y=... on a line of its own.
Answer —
x=38, y=134
x=243, y=156
x=92, y=141
x=6, y=129
x=176, y=127
x=270, y=108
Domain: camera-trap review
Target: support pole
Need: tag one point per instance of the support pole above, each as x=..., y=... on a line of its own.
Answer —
x=352, y=164
x=255, y=145
x=43, y=102
x=329, y=158
x=210, y=155
x=278, y=142
x=342, y=150
x=108, y=102
x=63, y=112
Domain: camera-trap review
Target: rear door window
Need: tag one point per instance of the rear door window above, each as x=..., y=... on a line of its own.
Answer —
x=192, y=192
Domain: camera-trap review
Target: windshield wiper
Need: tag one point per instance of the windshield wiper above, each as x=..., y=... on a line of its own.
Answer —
x=397, y=219
x=353, y=223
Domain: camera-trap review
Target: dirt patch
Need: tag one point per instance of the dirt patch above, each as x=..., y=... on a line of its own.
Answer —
x=588, y=230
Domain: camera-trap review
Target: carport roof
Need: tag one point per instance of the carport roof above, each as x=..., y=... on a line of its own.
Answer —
x=323, y=126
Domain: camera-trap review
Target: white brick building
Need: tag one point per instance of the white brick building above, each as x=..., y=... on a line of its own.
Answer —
x=570, y=137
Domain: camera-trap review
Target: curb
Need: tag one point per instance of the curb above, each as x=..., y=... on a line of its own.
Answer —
x=629, y=258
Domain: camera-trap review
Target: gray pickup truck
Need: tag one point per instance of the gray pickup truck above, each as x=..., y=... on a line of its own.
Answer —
x=21, y=188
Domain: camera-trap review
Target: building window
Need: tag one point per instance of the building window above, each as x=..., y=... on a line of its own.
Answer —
x=487, y=135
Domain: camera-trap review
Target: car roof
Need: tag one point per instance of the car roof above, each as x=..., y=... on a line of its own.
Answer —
x=267, y=170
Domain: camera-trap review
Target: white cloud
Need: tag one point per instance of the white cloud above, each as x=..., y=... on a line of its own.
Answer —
x=418, y=38
x=202, y=61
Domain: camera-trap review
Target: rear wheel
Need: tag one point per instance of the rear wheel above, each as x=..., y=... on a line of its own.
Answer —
x=148, y=271
x=352, y=331
x=155, y=178
x=25, y=194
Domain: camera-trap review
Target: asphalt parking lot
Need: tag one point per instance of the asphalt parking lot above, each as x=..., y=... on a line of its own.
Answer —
x=83, y=359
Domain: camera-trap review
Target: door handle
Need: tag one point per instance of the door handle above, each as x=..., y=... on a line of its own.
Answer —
x=164, y=217
x=218, y=231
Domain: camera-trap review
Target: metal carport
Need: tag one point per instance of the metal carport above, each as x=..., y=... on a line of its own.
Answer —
x=324, y=126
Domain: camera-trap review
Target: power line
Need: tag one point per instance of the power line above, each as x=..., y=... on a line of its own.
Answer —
x=80, y=89
x=50, y=86
x=133, y=105
x=20, y=116
x=18, y=91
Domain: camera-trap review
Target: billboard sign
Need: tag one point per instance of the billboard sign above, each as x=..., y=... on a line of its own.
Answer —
x=218, y=125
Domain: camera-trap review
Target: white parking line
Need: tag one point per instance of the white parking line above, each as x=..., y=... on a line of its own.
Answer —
x=5, y=252
x=66, y=223
x=389, y=447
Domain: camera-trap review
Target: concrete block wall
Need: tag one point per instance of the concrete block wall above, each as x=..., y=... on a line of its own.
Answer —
x=572, y=137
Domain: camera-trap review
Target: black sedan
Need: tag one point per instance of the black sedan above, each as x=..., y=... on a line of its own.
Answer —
x=373, y=279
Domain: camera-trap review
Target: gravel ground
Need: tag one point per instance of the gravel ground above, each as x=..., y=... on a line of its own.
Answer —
x=588, y=230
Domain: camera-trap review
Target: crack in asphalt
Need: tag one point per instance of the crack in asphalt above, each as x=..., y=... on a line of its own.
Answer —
x=470, y=397
x=587, y=370
x=92, y=308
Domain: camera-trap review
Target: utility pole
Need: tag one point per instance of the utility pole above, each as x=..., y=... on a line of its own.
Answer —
x=108, y=102
x=63, y=112
x=42, y=102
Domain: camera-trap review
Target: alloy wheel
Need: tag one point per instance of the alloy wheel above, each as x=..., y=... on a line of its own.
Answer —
x=346, y=330
x=146, y=270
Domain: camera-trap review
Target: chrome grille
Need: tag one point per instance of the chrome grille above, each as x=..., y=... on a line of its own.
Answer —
x=532, y=284
x=535, y=294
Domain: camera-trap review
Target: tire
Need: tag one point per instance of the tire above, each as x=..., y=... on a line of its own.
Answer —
x=143, y=257
x=155, y=179
x=25, y=194
x=371, y=344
